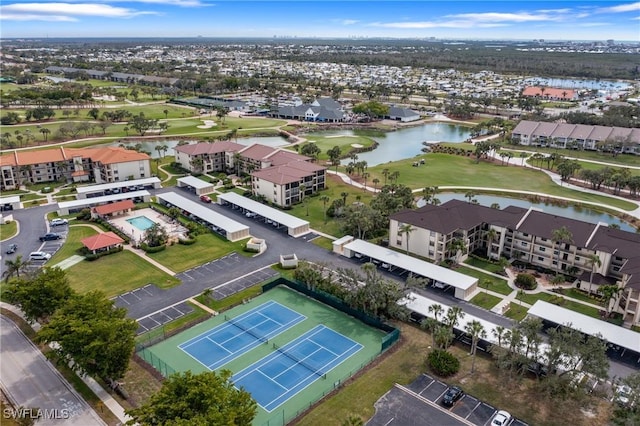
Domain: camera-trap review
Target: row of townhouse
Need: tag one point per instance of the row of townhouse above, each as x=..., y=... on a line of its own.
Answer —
x=99, y=165
x=278, y=175
x=526, y=235
x=113, y=76
x=576, y=136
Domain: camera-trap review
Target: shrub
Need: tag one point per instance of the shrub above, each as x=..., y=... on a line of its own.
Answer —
x=443, y=363
x=186, y=241
x=526, y=281
x=148, y=249
x=85, y=214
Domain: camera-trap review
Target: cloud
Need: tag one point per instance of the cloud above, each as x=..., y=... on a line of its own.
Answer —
x=349, y=21
x=437, y=24
x=506, y=17
x=181, y=3
x=64, y=11
x=628, y=7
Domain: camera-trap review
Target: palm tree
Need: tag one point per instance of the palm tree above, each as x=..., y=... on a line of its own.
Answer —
x=375, y=181
x=491, y=236
x=365, y=176
x=499, y=332
x=166, y=113
x=559, y=236
x=437, y=310
x=430, y=325
x=344, y=196
x=406, y=229
x=164, y=148
x=456, y=246
x=45, y=132
x=469, y=196
x=523, y=155
x=236, y=160
x=594, y=261
x=14, y=267
x=609, y=292
x=477, y=332
x=325, y=199
x=385, y=173
x=453, y=316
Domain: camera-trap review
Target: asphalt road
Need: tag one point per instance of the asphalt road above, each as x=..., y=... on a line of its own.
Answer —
x=33, y=383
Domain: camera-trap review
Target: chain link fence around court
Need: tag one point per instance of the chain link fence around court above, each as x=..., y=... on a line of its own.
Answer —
x=157, y=363
x=283, y=416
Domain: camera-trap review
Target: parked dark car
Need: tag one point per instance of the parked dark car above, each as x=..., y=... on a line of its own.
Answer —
x=452, y=395
x=50, y=237
x=12, y=248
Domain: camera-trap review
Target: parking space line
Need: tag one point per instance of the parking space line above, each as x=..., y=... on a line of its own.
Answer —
x=473, y=409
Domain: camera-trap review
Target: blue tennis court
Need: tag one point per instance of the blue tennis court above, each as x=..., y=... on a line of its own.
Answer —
x=282, y=374
x=238, y=335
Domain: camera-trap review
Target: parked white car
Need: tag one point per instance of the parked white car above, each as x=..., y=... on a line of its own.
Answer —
x=58, y=222
x=501, y=418
x=39, y=255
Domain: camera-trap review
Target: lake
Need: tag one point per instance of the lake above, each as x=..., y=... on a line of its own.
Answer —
x=579, y=213
x=403, y=143
x=570, y=83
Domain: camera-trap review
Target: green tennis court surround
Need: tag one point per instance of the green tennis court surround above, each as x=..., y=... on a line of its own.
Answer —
x=304, y=328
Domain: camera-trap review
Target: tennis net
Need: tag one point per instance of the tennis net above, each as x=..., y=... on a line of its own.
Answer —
x=299, y=361
x=246, y=329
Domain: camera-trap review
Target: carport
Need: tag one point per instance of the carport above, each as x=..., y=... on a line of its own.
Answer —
x=11, y=202
x=232, y=230
x=465, y=286
x=618, y=336
x=191, y=182
x=68, y=207
x=139, y=185
x=296, y=227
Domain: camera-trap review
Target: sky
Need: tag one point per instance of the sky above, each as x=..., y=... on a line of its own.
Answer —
x=456, y=19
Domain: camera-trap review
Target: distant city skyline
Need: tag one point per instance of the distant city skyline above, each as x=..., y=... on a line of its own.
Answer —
x=458, y=19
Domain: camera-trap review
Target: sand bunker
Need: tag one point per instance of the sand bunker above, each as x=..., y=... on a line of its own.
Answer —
x=207, y=124
x=357, y=145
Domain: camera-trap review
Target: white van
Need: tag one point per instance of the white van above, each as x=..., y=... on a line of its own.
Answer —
x=39, y=255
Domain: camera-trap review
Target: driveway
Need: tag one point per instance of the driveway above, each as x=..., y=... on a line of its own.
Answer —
x=33, y=383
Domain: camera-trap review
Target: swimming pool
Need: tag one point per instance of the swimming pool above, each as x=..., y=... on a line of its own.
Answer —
x=141, y=222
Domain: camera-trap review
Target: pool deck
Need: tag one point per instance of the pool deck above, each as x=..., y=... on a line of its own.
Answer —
x=174, y=229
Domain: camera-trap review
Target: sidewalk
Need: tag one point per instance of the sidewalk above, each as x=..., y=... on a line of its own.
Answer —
x=143, y=255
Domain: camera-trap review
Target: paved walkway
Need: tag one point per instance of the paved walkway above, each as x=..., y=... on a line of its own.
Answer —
x=69, y=262
x=104, y=396
x=143, y=255
x=204, y=307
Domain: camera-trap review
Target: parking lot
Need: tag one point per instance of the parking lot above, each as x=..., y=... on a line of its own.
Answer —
x=419, y=404
x=166, y=315
x=50, y=247
x=208, y=271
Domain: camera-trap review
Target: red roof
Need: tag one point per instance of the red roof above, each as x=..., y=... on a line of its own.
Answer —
x=114, y=207
x=549, y=92
x=104, y=240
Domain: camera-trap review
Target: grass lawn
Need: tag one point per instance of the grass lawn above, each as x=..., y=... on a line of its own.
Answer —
x=72, y=244
x=487, y=266
x=180, y=257
x=8, y=230
x=485, y=300
x=118, y=273
x=405, y=362
x=557, y=299
x=516, y=312
x=323, y=242
x=233, y=300
x=325, y=143
x=450, y=170
x=581, y=295
x=622, y=159
x=499, y=285
x=335, y=187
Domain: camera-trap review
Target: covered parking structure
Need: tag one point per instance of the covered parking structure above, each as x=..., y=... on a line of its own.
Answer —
x=296, y=227
x=229, y=228
x=11, y=202
x=99, y=190
x=624, y=344
x=198, y=185
x=464, y=285
x=68, y=207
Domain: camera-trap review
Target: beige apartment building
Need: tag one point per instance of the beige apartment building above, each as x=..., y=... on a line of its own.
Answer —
x=458, y=228
x=98, y=165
